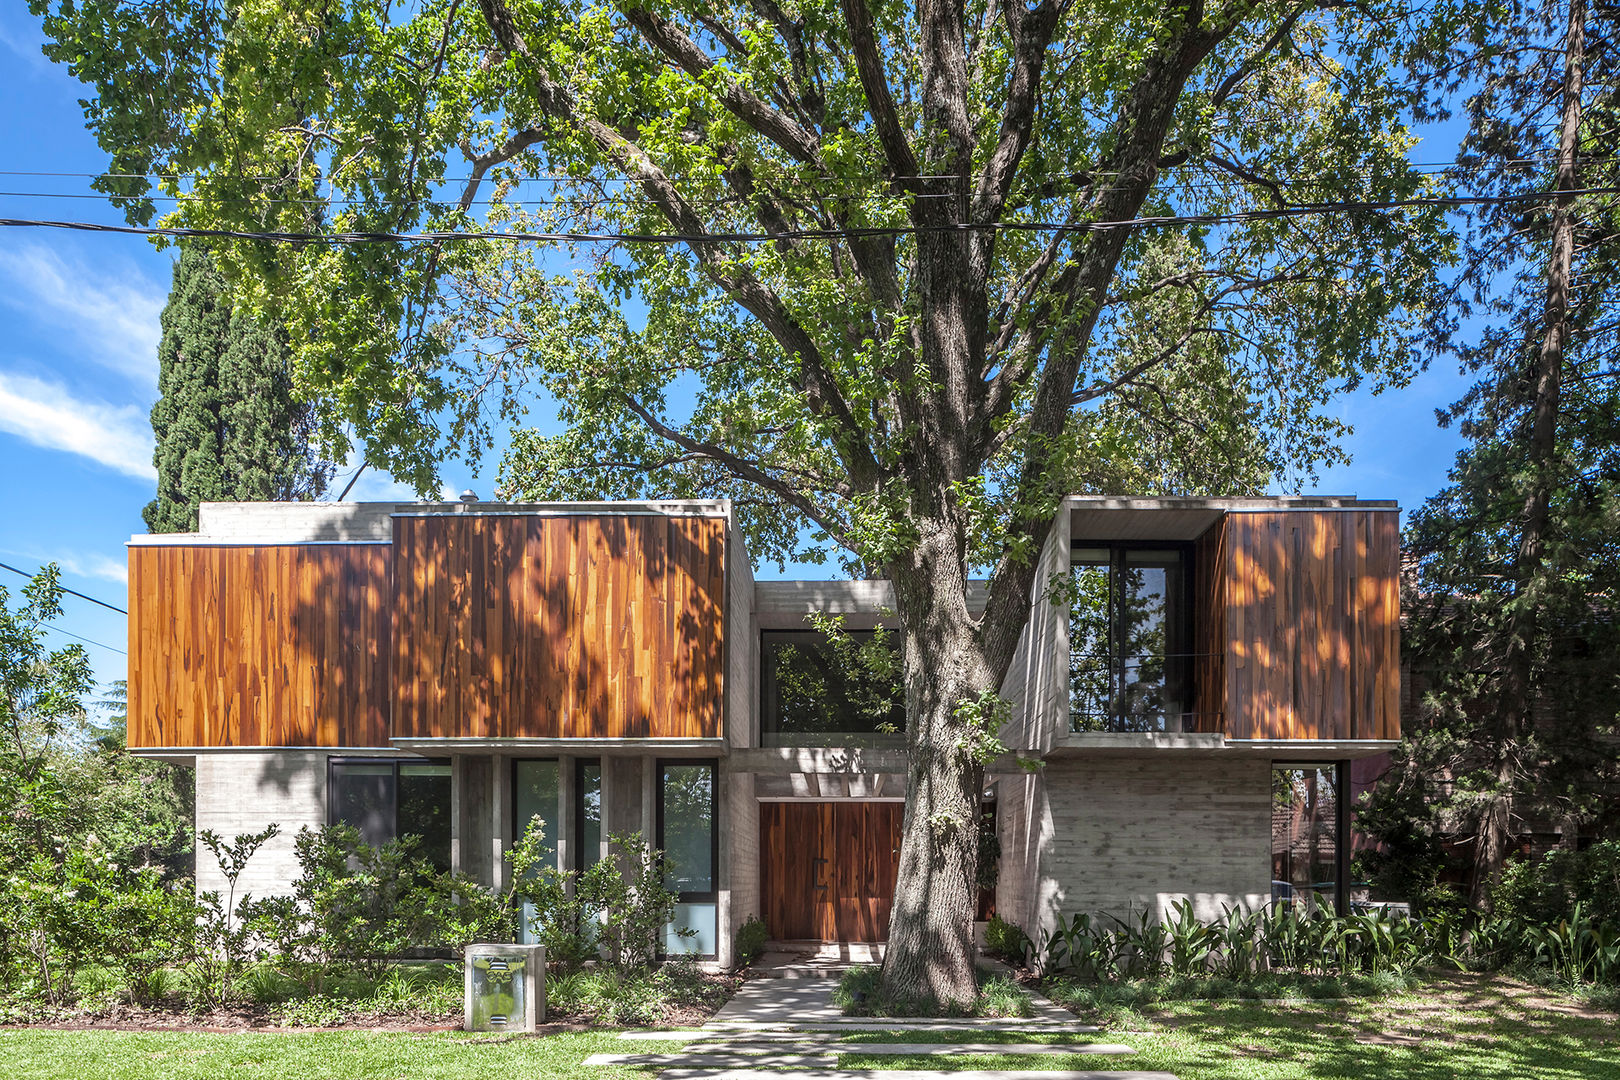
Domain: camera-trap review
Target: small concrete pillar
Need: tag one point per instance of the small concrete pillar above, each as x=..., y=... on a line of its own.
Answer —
x=504, y=988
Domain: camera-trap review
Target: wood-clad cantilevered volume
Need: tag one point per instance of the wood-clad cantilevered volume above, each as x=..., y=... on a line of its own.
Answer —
x=263, y=645
x=561, y=626
x=1311, y=613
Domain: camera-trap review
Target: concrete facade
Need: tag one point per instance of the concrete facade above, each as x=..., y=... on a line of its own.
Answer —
x=242, y=792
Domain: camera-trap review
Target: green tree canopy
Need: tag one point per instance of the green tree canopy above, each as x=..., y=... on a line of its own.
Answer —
x=228, y=422
x=879, y=296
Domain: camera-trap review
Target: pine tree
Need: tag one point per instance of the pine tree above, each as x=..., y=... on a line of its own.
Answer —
x=228, y=423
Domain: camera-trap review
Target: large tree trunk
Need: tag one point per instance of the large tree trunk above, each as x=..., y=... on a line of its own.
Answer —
x=930, y=952
x=1519, y=684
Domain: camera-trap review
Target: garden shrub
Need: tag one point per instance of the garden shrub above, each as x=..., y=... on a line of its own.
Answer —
x=1003, y=939
x=1545, y=891
x=633, y=905
x=751, y=938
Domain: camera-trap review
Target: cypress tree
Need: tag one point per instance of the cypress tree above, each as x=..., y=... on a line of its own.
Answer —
x=229, y=425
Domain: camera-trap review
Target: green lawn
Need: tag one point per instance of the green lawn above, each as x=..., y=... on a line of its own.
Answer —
x=1464, y=1030
x=308, y=1055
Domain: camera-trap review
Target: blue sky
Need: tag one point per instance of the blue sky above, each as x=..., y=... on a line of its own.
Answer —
x=78, y=369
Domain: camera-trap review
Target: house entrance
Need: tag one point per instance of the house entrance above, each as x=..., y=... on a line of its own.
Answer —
x=828, y=868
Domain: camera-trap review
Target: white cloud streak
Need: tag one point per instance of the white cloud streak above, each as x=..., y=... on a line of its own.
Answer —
x=47, y=415
x=114, y=315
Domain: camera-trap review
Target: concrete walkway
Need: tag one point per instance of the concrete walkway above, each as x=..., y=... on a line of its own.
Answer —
x=789, y=1029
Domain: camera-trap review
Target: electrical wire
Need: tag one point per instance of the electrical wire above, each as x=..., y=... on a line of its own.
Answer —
x=88, y=641
x=64, y=588
x=1159, y=221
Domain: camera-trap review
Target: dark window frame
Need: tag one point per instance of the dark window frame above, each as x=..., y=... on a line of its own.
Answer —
x=768, y=712
x=339, y=760
x=1183, y=630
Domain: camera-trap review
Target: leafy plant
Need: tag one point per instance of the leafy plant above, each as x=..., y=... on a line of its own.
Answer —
x=1003, y=939
x=751, y=938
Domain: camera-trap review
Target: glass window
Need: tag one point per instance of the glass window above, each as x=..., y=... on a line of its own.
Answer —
x=1306, y=834
x=819, y=691
x=1128, y=633
x=386, y=799
x=536, y=787
x=686, y=812
x=588, y=814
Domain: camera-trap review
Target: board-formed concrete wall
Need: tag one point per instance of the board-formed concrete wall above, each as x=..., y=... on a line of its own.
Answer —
x=246, y=791
x=1138, y=833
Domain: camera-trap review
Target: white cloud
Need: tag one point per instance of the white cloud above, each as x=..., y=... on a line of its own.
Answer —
x=95, y=566
x=47, y=415
x=114, y=313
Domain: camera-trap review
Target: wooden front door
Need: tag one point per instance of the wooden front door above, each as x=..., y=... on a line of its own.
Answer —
x=827, y=868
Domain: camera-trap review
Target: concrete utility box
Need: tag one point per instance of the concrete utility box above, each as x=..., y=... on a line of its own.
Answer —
x=504, y=988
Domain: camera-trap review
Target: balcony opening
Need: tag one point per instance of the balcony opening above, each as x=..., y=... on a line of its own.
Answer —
x=1129, y=638
x=818, y=691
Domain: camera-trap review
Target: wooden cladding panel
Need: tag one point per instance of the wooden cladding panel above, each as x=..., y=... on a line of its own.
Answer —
x=1312, y=613
x=284, y=645
x=828, y=868
x=516, y=626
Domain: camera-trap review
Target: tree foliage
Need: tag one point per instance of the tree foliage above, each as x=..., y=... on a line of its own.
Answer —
x=1511, y=601
x=888, y=312
x=228, y=423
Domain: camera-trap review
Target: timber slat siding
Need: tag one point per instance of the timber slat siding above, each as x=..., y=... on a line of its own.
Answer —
x=1311, y=614
x=264, y=645
x=559, y=626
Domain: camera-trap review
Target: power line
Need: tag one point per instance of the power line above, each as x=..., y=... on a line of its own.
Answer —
x=65, y=589
x=88, y=641
x=1159, y=221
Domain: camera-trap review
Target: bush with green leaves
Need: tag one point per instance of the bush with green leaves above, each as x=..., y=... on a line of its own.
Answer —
x=1547, y=890
x=750, y=940
x=1003, y=939
x=355, y=907
x=632, y=902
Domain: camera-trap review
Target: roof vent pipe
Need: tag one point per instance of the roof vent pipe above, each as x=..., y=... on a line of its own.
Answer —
x=469, y=496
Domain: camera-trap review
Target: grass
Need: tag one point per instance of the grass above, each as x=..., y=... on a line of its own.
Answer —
x=1475, y=1028
x=1482, y=1029
x=323, y=1055
x=857, y=993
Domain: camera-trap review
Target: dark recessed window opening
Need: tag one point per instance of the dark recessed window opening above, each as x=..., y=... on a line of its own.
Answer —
x=587, y=814
x=387, y=798
x=1129, y=638
x=820, y=692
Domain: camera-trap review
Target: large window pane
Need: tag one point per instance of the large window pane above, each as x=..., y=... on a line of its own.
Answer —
x=1128, y=628
x=535, y=788
x=686, y=816
x=1305, y=835
x=818, y=691
x=386, y=799
x=363, y=796
x=536, y=792
x=424, y=809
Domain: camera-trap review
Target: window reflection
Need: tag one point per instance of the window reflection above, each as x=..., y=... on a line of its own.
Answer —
x=1305, y=834
x=1128, y=659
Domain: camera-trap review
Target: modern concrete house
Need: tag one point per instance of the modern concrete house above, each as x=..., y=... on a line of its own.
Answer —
x=1194, y=678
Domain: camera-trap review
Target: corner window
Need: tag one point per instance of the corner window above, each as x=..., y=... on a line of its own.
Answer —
x=386, y=798
x=820, y=692
x=688, y=807
x=1309, y=829
x=1129, y=665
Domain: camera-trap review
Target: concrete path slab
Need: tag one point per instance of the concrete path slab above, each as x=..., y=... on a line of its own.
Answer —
x=852, y=1024
x=779, y=1001
x=730, y=1060
x=917, y=1074
x=664, y=1036
x=919, y=1049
